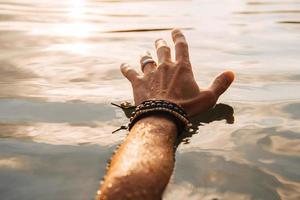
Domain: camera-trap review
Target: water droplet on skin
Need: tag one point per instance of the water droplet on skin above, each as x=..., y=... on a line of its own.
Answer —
x=129, y=195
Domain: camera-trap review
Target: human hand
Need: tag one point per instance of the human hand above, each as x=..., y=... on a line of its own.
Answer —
x=174, y=81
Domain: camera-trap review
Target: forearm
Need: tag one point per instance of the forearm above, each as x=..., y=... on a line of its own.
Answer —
x=142, y=166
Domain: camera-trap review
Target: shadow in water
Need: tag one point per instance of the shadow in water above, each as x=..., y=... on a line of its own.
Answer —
x=219, y=112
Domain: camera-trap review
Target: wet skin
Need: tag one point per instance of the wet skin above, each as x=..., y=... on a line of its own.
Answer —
x=142, y=166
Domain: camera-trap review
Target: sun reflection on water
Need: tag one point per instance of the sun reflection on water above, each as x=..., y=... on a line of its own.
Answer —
x=77, y=9
x=78, y=28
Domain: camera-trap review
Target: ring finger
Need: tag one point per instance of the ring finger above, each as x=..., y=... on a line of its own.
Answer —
x=147, y=63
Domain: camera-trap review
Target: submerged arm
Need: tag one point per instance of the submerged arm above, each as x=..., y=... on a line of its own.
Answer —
x=142, y=166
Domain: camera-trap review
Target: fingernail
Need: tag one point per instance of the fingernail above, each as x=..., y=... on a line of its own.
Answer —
x=177, y=33
x=160, y=42
x=175, y=30
x=124, y=65
x=157, y=40
x=229, y=76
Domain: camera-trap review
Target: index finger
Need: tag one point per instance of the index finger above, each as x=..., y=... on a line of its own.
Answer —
x=181, y=46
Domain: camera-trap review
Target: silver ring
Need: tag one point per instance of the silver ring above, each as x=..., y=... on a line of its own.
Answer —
x=147, y=61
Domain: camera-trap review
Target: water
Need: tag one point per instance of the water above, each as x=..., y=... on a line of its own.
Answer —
x=59, y=63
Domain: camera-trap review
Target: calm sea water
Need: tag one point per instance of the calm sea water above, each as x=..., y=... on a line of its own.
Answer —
x=59, y=71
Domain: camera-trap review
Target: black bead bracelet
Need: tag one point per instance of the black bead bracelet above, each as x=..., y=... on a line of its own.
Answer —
x=172, y=110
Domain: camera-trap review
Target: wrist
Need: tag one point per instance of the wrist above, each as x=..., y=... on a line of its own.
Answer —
x=156, y=122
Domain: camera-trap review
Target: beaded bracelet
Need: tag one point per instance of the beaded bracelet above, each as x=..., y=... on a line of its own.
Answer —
x=174, y=111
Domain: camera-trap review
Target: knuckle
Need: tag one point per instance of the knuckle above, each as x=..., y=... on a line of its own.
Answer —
x=221, y=82
x=164, y=66
x=130, y=72
x=181, y=43
x=185, y=70
x=210, y=96
x=137, y=81
x=164, y=48
x=184, y=64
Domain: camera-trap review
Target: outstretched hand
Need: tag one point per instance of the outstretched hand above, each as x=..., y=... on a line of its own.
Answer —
x=174, y=80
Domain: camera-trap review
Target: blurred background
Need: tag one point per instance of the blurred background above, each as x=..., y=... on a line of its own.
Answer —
x=59, y=71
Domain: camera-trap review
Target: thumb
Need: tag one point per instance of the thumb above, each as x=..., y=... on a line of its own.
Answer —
x=128, y=72
x=222, y=82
